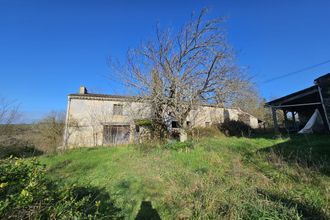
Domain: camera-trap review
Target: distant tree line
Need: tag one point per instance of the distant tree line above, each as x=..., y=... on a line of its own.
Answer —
x=44, y=135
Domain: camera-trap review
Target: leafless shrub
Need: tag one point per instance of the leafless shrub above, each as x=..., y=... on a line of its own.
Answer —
x=50, y=131
x=9, y=113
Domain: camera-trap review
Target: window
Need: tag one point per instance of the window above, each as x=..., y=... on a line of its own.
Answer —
x=175, y=124
x=117, y=109
x=207, y=124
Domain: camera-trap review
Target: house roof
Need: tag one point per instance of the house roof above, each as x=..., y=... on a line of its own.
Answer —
x=293, y=96
x=305, y=95
x=325, y=76
x=92, y=95
x=323, y=79
x=119, y=97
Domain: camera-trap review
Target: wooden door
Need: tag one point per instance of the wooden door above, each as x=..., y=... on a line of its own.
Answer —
x=116, y=134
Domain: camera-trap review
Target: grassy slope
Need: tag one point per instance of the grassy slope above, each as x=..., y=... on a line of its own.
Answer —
x=227, y=177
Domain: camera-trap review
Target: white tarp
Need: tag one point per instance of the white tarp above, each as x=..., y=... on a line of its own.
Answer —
x=314, y=123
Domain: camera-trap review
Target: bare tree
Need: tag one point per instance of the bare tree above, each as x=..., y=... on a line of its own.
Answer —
x=8, y=114
x=248, y=99
x=50, y=130
x=176, y=72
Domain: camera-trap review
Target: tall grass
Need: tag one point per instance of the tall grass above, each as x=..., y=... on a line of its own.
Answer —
x=220, y=177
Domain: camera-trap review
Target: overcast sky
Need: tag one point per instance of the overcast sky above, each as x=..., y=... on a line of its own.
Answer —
x=49, y=48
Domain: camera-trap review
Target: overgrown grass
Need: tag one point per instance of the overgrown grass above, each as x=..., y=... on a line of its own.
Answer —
x=26, y=193
x=227, y=178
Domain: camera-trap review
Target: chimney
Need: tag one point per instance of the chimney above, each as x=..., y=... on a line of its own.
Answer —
x=83, y=90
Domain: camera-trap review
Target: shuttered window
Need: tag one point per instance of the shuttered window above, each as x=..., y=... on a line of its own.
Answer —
x=117, y=109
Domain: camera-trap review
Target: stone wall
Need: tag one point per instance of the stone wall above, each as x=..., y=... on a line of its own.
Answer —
x=91, y=114
x=86, y=118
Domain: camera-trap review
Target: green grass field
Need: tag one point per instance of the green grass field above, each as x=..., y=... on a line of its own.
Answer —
x=220, y=178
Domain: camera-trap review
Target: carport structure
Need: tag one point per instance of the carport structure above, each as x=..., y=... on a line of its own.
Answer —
x=301, y=105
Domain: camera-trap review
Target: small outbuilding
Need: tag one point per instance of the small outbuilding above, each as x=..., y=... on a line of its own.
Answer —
x=299, y=107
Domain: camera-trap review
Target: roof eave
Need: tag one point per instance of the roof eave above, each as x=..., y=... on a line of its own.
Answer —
x=293, y=96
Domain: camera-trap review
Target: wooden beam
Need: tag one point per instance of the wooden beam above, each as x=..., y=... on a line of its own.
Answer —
x=275, y=120
x=314, y=90
x=295, y=105
x=285, y=118
x=324, y=109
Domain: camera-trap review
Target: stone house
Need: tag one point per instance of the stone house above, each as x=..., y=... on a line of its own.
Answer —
x=98, y=119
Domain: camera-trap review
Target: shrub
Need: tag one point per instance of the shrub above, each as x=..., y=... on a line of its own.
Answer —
x=26, y=193
x=175, y=134
x=143, y=122
x=49, y=132
x=199, y=132
x=12, y=146
x=235, y=128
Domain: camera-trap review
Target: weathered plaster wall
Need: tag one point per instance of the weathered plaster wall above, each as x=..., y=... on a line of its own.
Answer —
x=86, y=118
x=89, y=116
x=205, y=114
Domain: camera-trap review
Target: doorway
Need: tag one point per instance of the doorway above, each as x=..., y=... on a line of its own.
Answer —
x=116, y=134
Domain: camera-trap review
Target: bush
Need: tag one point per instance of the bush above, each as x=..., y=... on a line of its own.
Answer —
x=12, y=146
x=177, y=145
x=199, y=132
x=175, y=134
x=49, y=131
x=143, y=122
x=235, y=128
x=26, y=193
